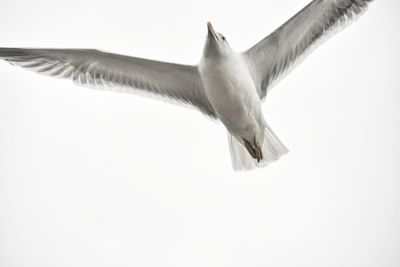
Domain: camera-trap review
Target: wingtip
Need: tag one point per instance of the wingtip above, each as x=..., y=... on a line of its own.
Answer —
x=11, y=52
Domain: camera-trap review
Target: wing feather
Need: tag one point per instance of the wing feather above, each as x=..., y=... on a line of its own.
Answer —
x=99, y=69
x=276, y=54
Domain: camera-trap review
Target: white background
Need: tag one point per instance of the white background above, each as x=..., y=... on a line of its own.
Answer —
x=91, y=178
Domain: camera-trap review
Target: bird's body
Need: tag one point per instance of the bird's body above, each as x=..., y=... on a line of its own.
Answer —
x=226, y=85
x=233, y=95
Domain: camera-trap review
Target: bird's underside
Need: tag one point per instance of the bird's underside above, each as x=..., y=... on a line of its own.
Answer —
x=266, y=62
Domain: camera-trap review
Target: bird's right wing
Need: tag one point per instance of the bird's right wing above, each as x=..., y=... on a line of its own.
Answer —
x=273, y=56
x=105, y=70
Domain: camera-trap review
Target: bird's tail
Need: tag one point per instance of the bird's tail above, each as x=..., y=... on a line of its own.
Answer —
x=272, y=149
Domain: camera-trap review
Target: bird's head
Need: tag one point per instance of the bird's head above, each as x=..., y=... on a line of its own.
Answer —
x=216, y=44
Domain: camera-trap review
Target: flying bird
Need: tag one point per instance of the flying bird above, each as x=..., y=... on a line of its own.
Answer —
x=226, y=85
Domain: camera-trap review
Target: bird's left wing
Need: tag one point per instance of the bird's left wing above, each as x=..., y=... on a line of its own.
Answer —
x=95, y=68
x=278, y=52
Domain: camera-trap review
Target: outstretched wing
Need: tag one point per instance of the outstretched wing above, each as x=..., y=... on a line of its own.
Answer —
x=275, y=54
x=100, y=69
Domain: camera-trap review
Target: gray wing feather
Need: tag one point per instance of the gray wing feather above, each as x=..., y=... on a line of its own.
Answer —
x=273, y=56
x=99, y=69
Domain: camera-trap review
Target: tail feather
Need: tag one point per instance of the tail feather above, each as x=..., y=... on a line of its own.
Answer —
x=272, y=150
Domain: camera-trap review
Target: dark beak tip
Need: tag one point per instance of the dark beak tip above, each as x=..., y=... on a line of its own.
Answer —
x=209, y=26
x=210, y=29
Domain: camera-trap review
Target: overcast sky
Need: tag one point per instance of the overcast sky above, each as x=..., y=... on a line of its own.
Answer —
x=93, y=178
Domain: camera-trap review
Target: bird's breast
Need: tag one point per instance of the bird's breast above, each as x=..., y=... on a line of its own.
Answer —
x=231, y=91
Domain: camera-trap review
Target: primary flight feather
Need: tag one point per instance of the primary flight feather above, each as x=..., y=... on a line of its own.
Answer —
x=225, y=85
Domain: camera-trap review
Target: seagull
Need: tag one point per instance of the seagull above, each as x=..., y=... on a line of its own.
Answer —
x=225, y=85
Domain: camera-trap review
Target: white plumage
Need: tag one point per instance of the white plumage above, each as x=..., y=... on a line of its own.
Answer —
x=225, y=85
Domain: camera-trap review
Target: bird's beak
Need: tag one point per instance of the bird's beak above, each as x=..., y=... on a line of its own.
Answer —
x=211, y=32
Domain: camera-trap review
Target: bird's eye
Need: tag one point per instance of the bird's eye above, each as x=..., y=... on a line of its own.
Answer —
x=223, y=38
